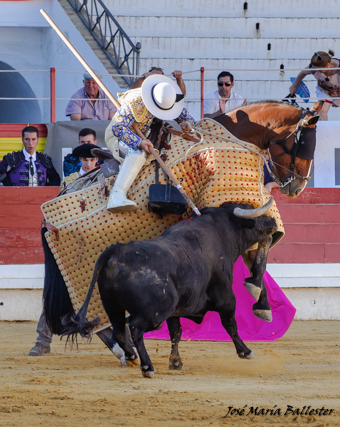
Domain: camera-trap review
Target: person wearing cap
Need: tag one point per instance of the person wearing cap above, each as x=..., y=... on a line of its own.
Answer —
x=87, y=160
x=90, y=102
x=158, y=97
x=157, y=70
x=72, y=163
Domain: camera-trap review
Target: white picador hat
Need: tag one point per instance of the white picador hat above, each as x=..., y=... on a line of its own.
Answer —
x=162, y=97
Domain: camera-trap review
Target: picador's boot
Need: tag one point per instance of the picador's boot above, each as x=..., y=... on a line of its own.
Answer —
x=131, y=166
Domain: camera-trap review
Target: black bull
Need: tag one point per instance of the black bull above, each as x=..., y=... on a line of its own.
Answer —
x=185, y=272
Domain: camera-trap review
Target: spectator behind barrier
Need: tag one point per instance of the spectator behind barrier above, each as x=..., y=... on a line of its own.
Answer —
x=28, y=168
x=90, y=109
x=71, y=162
x=156, y=70
x=223, y=99
x=328, y=86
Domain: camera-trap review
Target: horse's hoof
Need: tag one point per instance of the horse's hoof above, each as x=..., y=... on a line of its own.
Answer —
x=123, y=362
x=251, y=355
x=176, y=365
x=254, y=291
x=265, y=315
x=118, y=351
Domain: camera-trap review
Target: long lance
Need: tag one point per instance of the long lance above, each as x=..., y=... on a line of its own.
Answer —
x=117, y=104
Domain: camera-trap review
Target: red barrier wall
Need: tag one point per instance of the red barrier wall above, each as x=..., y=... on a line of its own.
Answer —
x=20, y=223
x=312, y=224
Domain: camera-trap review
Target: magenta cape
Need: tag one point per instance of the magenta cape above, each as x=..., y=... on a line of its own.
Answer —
x=250, y=328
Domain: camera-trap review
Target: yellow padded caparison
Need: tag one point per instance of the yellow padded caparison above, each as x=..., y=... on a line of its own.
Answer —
x=212, y=172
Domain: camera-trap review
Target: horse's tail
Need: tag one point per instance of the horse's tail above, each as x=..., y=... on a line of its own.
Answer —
x=79, y=324
x=56, y=300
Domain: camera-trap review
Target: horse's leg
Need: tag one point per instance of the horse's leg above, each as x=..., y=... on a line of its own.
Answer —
x=256, y=261
x=138, y=326
x=119, y=335
x=175, y=331
x=106, y=336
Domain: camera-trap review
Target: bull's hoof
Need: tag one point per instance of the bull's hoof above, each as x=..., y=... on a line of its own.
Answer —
x=254, y=290
x=265, y=315
x=132, y=361
x=147, y=372
x=250, y=355
x=175, y=364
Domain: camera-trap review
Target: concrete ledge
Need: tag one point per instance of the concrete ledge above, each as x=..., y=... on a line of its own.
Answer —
x=25, y=276
x=314, y=289
x=18, y=304
x=315, y=304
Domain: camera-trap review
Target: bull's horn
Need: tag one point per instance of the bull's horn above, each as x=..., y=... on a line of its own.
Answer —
x=253, y=213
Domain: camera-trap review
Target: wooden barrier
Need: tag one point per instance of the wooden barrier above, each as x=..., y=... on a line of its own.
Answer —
x=312, y=224
x=20, y=223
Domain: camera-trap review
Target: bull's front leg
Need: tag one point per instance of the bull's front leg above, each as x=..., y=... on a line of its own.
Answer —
x=256, y=262
x=175, y=331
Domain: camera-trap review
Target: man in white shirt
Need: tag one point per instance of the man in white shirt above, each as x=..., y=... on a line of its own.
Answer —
x=223, y=99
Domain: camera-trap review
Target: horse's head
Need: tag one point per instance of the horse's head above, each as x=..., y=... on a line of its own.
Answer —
x=293, y=155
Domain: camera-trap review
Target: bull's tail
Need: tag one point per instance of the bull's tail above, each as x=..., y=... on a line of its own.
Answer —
x=56, y=299
x=78, y=324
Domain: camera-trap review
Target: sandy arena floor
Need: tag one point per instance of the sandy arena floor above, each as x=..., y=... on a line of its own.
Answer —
x=89, y=388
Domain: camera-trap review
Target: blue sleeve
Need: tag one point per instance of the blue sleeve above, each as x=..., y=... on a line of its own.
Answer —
x=121, y=123
x=184, y=116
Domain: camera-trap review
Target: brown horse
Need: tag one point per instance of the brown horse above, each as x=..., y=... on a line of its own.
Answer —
x=288, y=131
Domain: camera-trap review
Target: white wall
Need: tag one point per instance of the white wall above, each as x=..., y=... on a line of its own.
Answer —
x=327, y=139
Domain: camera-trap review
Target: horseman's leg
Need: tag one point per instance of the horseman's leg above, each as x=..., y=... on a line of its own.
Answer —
x=256, y=261
x=44, y=338
x=130, y=168
x=175, y=331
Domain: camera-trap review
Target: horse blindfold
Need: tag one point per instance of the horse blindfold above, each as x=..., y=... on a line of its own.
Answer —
x=307, y=144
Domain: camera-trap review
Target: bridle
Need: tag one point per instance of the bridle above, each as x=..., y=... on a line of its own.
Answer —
x=298, y=145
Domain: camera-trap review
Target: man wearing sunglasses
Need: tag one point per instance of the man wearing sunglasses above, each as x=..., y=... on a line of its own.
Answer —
x=224, y=99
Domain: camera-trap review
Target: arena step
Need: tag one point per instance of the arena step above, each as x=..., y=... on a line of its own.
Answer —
x=224, y=8
x=222, y=27
x=237, y=48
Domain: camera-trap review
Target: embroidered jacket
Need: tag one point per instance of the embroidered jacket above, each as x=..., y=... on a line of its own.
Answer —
x=14, y=170
x=132, y=111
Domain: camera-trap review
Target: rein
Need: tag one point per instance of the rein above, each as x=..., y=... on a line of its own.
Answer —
x=292, y=152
